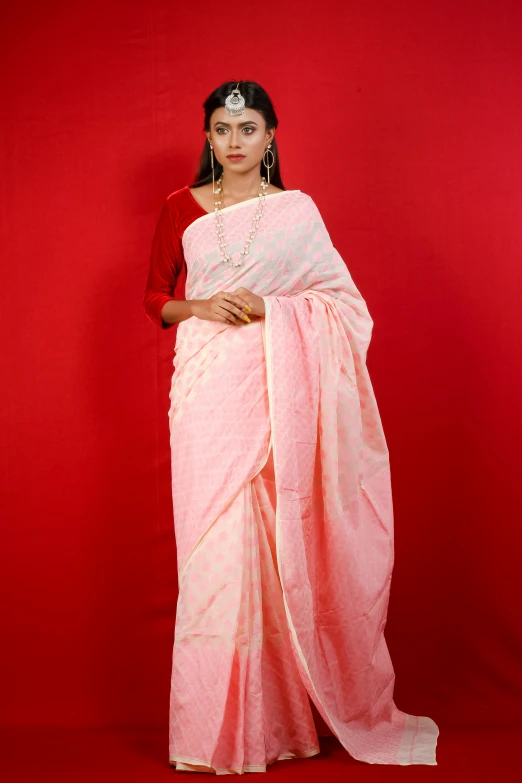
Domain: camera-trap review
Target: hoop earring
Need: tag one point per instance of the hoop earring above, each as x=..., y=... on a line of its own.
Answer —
x=212, y=163
x=264, y=161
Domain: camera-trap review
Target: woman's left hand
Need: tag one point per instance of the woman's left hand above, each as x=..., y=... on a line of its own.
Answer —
x=255, y=302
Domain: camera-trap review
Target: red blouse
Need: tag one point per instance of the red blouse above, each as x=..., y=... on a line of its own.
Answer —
x=168, y=269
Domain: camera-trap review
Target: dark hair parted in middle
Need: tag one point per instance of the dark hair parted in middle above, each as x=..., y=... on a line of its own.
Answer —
x=255, y=98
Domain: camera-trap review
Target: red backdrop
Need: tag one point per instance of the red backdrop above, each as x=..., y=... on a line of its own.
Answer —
x=402, y=121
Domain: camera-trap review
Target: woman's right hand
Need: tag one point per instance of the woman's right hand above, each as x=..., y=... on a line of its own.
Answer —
x=222, y=306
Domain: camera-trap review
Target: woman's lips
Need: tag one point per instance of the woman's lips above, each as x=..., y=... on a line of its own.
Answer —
x=235, y=157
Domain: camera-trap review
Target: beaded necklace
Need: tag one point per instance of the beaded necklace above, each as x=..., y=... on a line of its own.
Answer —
x=219, y=223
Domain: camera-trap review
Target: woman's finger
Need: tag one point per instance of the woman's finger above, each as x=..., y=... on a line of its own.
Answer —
x=237, y=300
x=234, y=304
x=233, y=309
x=229, y=315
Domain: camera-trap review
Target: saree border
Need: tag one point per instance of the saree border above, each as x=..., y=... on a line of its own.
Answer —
x=231, y=207
x=173, y=760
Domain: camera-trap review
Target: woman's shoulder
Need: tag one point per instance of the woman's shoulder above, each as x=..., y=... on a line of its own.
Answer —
x=304, y=209
x=306, y=199
x=303, y=199
x=302, y=194
x=182, y=205
x=178, y=196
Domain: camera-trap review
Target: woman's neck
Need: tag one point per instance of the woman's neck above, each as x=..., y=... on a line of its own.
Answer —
x=241, y=186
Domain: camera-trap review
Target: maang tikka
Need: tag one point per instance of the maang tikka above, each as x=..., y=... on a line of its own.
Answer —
x=235, y=105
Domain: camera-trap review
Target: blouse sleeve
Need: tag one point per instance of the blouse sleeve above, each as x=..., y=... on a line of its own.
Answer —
x=166, y=261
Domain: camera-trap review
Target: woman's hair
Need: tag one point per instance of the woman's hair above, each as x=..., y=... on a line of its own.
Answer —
x=255, y=98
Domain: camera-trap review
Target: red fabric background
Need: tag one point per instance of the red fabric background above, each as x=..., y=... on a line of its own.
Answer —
x=402, y=121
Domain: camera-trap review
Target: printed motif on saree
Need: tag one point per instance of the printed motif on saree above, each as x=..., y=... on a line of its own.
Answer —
x=282, y=508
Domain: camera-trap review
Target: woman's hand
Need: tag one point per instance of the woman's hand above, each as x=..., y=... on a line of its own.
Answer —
x=255, y=302
x=231, y=307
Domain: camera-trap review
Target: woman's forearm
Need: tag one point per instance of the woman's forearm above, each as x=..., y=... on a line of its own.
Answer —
x=177, y=310
x=215, y=308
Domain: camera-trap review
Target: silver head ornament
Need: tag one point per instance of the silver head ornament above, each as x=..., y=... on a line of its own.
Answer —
x=235, y=103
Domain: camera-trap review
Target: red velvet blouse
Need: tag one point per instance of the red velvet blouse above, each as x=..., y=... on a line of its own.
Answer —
x=168, y=269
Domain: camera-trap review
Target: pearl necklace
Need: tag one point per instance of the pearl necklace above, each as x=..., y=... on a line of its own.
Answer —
x=219, y=223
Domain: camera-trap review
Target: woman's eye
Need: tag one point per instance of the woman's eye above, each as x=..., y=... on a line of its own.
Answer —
x=224, y=129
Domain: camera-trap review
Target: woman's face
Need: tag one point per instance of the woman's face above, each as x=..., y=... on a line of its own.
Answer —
x=244, y=134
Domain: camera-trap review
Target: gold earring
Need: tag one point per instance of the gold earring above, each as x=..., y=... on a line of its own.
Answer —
x=264, y=161
x=212, y=164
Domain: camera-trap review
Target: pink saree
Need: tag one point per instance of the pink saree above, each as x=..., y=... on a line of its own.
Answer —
x=283, y=510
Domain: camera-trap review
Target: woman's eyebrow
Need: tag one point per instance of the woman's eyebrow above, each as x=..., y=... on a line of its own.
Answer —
x=249, y=122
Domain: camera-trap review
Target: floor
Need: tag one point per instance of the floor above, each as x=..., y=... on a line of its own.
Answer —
x=80, y=755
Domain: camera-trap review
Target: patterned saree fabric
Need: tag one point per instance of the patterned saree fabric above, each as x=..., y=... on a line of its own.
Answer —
x=282, y=509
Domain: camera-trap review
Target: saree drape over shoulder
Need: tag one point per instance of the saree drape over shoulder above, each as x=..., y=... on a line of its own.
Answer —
x=282, y=509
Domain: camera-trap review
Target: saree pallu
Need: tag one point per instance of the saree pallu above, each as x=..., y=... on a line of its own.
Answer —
x=282, y=510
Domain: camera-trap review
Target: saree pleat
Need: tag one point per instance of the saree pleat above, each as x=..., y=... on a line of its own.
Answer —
x=234, y=675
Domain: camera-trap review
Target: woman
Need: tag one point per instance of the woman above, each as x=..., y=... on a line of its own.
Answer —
x=280, y=470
